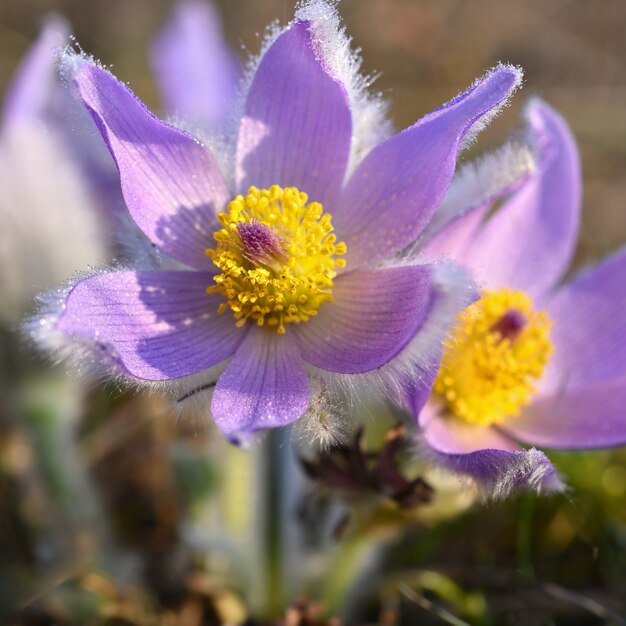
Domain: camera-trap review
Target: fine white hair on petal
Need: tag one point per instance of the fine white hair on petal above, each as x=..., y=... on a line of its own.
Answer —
x=482, y=181
x=454, y=290
x=370, y=120
x=81, y=359
x=525, y=470
x=484, y=120
x=324, y=424
x=69, y=59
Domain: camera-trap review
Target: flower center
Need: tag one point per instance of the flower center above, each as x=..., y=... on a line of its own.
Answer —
x=276, y=252
x=494, y=358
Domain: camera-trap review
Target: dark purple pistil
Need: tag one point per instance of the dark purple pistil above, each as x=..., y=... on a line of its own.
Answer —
x=510, y=325
x=260, y=244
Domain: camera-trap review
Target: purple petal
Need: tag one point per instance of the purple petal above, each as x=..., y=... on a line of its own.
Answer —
x=586, y=417
x=498, y=473
x=414, y=370
x=494, y=462
x=264, y=386
x=297, y=128
x=171, y=184
x=589, y=326
x=397, y=187
x=529, y=242
x=483, y=181
x=455, y=237
x=31, y=90
x=372, y=317
x=197, y=72
x=450, y=435
x=414, y=396
x=154, y=325
x=475, y=188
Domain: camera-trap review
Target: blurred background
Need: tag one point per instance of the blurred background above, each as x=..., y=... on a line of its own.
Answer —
x=573, y=53
x=112, y=512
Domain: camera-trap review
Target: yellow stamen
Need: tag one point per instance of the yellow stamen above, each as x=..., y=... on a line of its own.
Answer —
x=494, y=358
x=276, y=252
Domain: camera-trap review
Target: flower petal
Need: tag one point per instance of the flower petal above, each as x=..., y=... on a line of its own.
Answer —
x=154, y=325
x=372, y=317
x=494, y=462
x=196, y=71
x=482, y=181
x=414, y=396
x=296, y=129
x=264, y=386
x=30, y=92
x=476, y=186
x=171, y=184
x=585, y=417
x=455, y=237
x=450, y=435
x=529, y=242
x=397, y=187
x=589, y=327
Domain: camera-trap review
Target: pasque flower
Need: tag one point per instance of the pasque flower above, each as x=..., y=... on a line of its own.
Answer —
x=196, y=70
x=535, y=360
x=279, y=244
x=50, y=226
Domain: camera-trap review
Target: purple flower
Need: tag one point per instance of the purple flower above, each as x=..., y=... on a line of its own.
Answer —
x=50, y=226
x=196, y=70
x=36, y=99
x=32, y=92
x=535, y=360
x=260, y=289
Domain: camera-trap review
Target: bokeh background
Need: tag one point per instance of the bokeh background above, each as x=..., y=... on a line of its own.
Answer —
x=126, y=552
x=426, y=51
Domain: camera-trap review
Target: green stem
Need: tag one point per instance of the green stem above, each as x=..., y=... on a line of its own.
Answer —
x=273, y=524
x=349, y=566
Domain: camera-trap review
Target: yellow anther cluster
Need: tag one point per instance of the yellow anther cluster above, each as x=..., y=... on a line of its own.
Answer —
x=276, y=252
x=494, y=358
